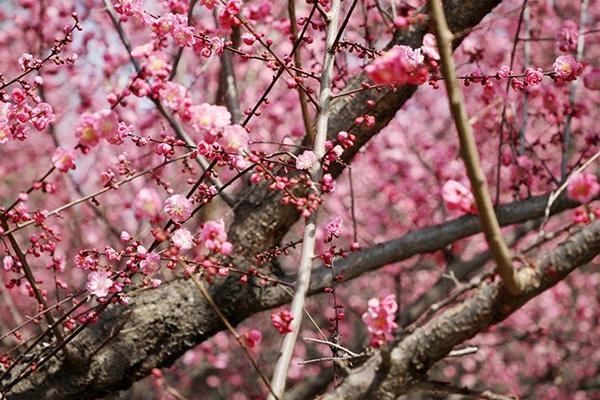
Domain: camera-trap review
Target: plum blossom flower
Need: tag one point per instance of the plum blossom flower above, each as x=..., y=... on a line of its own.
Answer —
x=182, y=239
x=7, y=263
x=533, y=76
x=334, y=226
x=128, y=7
x=98, y=283
x=174, y=96
x=147, y=204
x=235, y=138
x=458, y=197
x=567, y=68
x=566, y=36
x=282, y=320
x=150, y=262
x=583, y=187
x=214, y=237
x=306, y=160
x=92, y=127
x=62, y=159
x=592, y=79
x=209, y=120
x=253, y=338
x=380, y=318
x=399, y=65
x=178, y=207
x=429, y=47
x=41, y=116
x=504, y=72
x=248, y=38
x=158, y=65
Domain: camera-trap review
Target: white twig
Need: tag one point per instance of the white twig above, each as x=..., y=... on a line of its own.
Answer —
x=308, y=241
x=328, y=343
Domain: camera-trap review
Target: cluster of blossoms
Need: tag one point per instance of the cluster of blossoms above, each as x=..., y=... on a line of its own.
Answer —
x=177, y=26
x=380, y=318
x=16, y=115
x=398, y=66
x=214, y=237
x=457, y=197
x=282, y=320
x=101, y=124
x=303, y=163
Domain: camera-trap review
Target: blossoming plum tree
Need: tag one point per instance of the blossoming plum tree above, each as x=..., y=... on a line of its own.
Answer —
x=258, y=199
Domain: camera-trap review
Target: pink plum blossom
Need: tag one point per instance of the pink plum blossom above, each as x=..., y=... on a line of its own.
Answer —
x=147, y=204
x=429, y=47
x=399, y=65
x=380, y=318
x=583, y=187
x=209, y=120
x=458, y=197
x=182, y=239
x=282, y=320
x=306, y=160
x=42, y=115
x=235, y=139
x=592, y=79
x=253, y=338
x=214, y=237
x=567, y=35
x=98, y=283
x=62, y=159
x=178, y=207
x=533, y=76
x=334, y=226
x=567, y=68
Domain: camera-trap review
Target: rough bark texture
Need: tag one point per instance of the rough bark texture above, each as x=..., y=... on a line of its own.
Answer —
x=393, y=372
x=160, y=325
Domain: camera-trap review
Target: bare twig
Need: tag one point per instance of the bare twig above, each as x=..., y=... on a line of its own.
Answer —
x=491, y=229
x=232, y=330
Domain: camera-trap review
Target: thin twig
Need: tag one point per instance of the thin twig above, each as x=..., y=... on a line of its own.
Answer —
x=232, y=330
